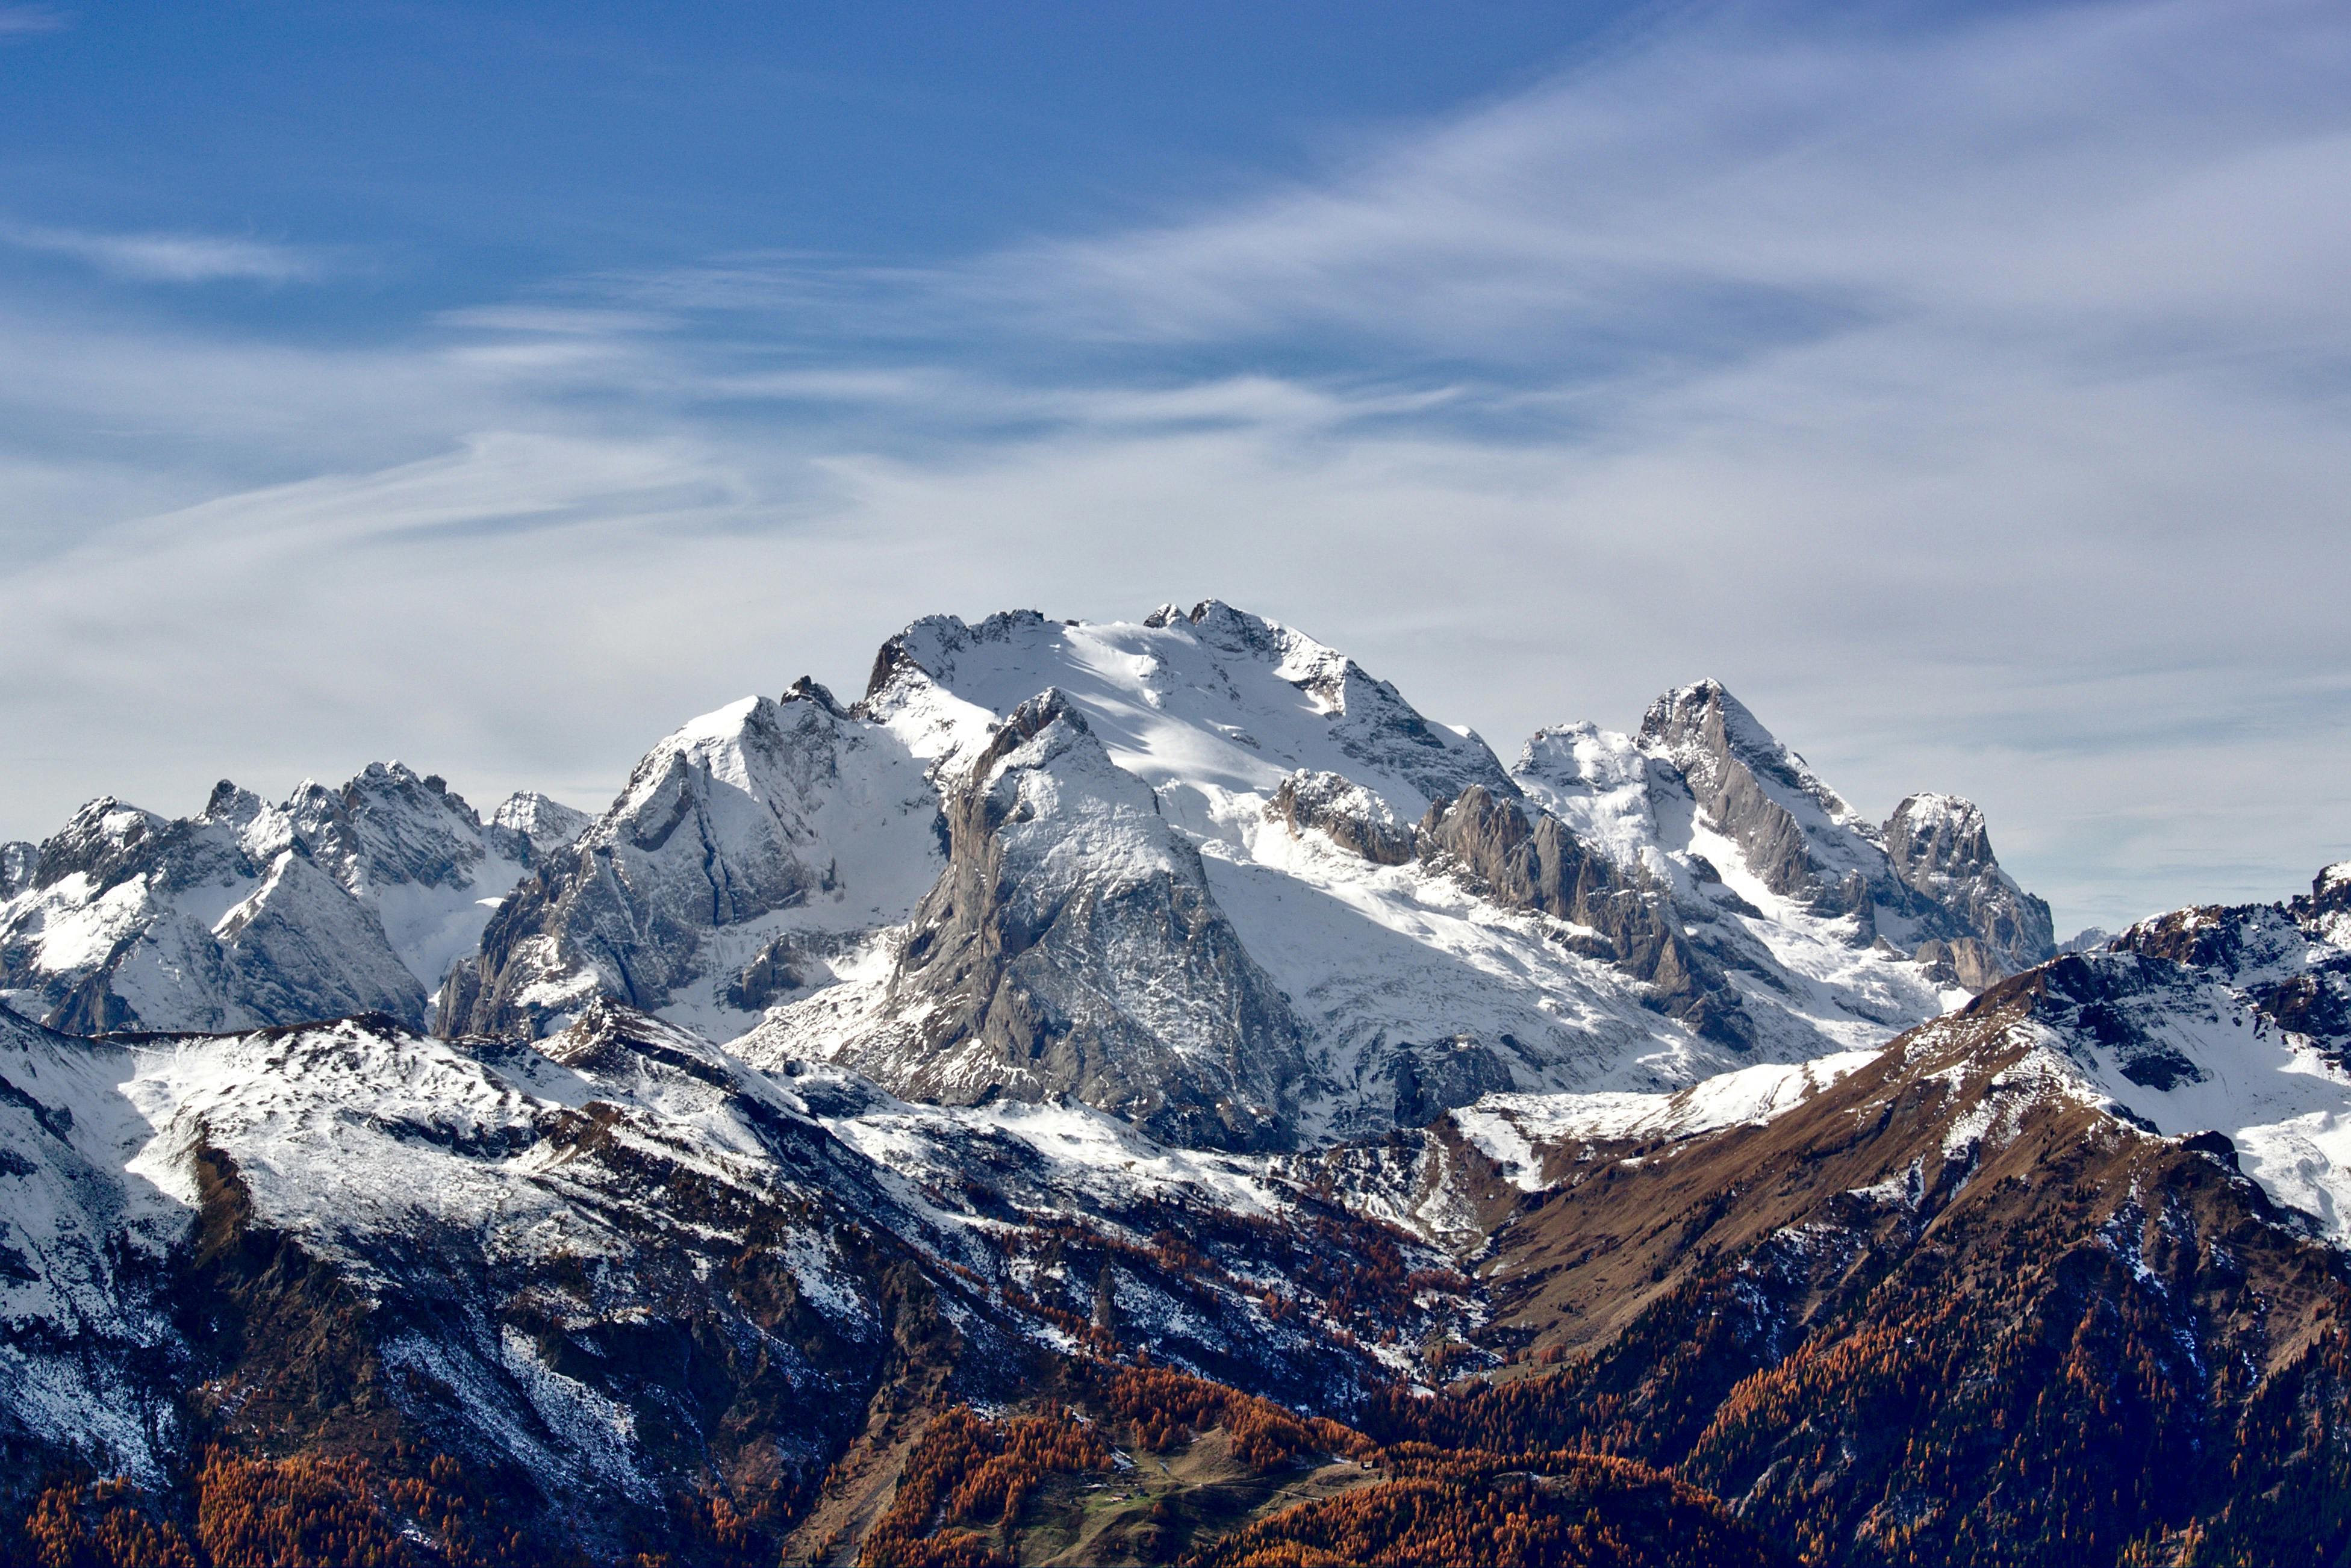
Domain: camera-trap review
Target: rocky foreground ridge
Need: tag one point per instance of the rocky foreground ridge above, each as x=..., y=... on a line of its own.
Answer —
x=1142, y=1093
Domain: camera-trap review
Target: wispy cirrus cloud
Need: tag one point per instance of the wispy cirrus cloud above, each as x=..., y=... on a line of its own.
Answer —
x=1970, y=398
x=171, y=257
x=16, y=21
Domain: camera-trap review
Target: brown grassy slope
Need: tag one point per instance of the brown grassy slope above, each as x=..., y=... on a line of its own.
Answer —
x=1478, y=1510
x=1944, y=1311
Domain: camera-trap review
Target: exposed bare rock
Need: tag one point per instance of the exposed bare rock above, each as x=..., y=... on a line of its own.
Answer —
x=1968, y=962
x=1542, y=866
x=1351, y=816
x=17, y=862
x=547, y=825
x=1798, y=835
x=763, y=818
x=2326, y=910
x=1927, y=876
x=1073, y=948
x=1941, y=850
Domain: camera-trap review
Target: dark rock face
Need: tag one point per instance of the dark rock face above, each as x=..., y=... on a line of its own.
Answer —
x=1434, y=1078
x=741, y=817
x=1071, y=946
x=1928, y=872
x=1726, y=756
x=386, y=827
x=2286, y=959
x=17, y=862
x=1354, y=818
x=1542, y=866
x=1941, y=850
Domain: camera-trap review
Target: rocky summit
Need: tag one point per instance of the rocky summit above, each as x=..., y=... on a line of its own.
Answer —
x=1144, y=1091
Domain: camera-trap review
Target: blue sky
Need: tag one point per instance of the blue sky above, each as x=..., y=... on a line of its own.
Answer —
x=496, y=386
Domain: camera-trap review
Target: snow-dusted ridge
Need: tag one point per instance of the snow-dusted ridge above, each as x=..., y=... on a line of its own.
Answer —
x=2227, y=1027
x=1303, y=781
x=1509, y=1129
x=456, y=1185
x=334, y=901
x=2234, y=1020
x=782, y=866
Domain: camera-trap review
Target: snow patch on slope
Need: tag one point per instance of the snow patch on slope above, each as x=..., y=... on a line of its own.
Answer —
x=1511, y=1128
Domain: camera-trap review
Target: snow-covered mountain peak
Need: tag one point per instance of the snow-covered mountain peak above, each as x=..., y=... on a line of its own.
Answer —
x=1949, y=819
x=729, y=744
x=1062, y=812
x=1941, y=850
x=1597, y=782
x=1701, y=728
x=100, y=843
x=751, y=849
x=336, y=900
x=1926, y=881
x=1073, y=945
x=386, y=826
x=1216, y=704
x=233, y=805
x=547, y=824
x=1441, y=951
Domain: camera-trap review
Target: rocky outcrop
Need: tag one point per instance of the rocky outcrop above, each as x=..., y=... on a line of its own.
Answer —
x=762, y=820
x=2326, y=910
x=2089, y=939
x=1798, y=836
x=1350, y=816
x=1941, y=850
x=1542, y=866
x=1927, y=878
x=1967, y=962
x=17, y=862
x=1071, y=947
x=546, y=825
x=224, y=920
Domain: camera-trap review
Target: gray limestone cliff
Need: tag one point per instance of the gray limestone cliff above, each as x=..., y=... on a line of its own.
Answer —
x=1927, y=878
x=1071, y=946
x=1541, y=866
x=1940, y=848
x=749, y=840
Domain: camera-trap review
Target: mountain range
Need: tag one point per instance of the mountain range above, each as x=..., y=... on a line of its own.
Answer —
x=1139, y=1092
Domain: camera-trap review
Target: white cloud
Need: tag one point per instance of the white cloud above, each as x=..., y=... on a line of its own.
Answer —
x=1971, y=401
x=19, y=20
x=171, y=257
